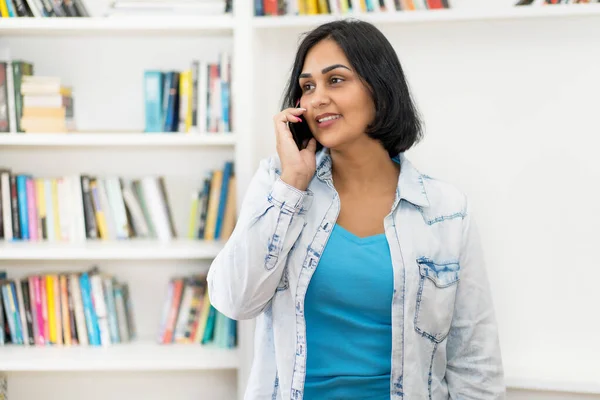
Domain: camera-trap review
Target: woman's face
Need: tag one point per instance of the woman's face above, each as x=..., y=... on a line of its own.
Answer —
x=338, y=105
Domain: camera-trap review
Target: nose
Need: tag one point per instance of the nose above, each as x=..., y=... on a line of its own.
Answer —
x=319, y=98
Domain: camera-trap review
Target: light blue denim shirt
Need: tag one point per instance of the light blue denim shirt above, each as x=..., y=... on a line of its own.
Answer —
x=444, y=334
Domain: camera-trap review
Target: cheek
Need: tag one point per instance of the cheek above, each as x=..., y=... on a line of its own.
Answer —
x=367, y=109
x=360, y=112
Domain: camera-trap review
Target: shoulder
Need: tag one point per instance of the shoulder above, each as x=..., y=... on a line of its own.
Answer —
x=443, y=194
x=446, y=200
x=436, y=198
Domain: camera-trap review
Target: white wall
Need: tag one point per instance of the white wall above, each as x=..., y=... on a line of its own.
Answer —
x=511, y=118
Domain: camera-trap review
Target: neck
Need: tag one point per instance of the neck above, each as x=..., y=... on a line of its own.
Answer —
x=364, y=167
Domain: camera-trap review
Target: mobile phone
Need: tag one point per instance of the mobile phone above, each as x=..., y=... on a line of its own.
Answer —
x=301, y=132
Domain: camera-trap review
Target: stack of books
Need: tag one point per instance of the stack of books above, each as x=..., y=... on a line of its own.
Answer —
x=70, y=308
x=47, y=105
x=131, y=8
x=31, y=103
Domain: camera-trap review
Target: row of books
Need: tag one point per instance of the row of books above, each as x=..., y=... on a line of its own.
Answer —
x=336, y=7
x=188, y=316
x=213, y=205
x=78, y=207
x=47, y=106
x=43, y=8
x=83, y=207
x=194, y=100
x=168, y=8
x=82, y=308
x=544, y=2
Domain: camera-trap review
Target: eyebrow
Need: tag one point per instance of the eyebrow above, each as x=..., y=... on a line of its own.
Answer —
x=324, y=70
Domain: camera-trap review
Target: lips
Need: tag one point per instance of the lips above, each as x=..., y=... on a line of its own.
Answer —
x=326, y=117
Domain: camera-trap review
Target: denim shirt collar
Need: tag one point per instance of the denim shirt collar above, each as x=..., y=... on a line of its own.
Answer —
x=410, y=182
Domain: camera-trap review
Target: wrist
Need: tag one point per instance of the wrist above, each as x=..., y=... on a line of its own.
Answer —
x=295, y=180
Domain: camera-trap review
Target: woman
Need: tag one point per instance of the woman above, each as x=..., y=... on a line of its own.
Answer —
x=366, y=277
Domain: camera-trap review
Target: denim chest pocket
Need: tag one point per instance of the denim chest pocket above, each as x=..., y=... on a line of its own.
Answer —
x=435, y=299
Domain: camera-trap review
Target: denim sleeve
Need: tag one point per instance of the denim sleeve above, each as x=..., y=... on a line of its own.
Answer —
x=474, y=369
x=245, y=274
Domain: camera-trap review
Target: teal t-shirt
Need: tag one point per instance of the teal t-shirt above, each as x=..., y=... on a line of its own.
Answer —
x=348, y=311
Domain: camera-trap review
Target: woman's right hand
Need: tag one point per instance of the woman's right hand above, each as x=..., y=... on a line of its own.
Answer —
x=298, y=166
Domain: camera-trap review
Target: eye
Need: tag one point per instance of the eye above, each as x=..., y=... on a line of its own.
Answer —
x=335, y=79
x=307, y=86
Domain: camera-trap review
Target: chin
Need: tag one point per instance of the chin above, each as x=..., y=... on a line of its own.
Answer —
x=328, y=142
x=333, y=140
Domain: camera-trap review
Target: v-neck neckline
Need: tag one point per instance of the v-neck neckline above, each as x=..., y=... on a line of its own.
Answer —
x=357, y=239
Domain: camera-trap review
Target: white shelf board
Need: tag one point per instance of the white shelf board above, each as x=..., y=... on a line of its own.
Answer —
x=526, y=383
x=131, y=249
x=425, y=16
x=116, y=139
x=139, y=25
x=547, y=376
x=135, y=356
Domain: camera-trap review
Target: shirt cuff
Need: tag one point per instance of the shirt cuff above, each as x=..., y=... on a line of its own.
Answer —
x=288, y=197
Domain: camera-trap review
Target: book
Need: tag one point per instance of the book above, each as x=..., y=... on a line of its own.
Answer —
x=187, y=316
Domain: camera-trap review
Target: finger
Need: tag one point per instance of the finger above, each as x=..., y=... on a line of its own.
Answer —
x=282, y=127
x=286, y=117
x=295, y=111
x=283, y=130
x=282, y=120
x=283, y=133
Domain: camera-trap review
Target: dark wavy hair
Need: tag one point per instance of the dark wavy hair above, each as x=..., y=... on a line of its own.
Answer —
x=397, y=124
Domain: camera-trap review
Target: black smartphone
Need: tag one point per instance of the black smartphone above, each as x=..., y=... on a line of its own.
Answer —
x=301, y=132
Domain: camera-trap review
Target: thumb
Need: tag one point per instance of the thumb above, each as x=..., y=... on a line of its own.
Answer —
x=312, y=145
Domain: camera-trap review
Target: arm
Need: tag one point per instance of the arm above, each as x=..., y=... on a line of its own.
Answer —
x=244, y=276
x=474, y=369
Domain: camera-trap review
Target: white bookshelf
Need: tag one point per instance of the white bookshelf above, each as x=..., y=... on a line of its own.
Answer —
x=262, y=50
x=135, y=356
x=102, y=139
x=214, y=25
x=133, y=249
x=109, y=112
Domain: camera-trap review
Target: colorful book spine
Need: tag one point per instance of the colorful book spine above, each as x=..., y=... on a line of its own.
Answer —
x=23, y=213
x=88, y=309
x=32, y=215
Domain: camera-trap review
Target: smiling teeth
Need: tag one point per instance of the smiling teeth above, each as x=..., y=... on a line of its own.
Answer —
x=329, y=118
